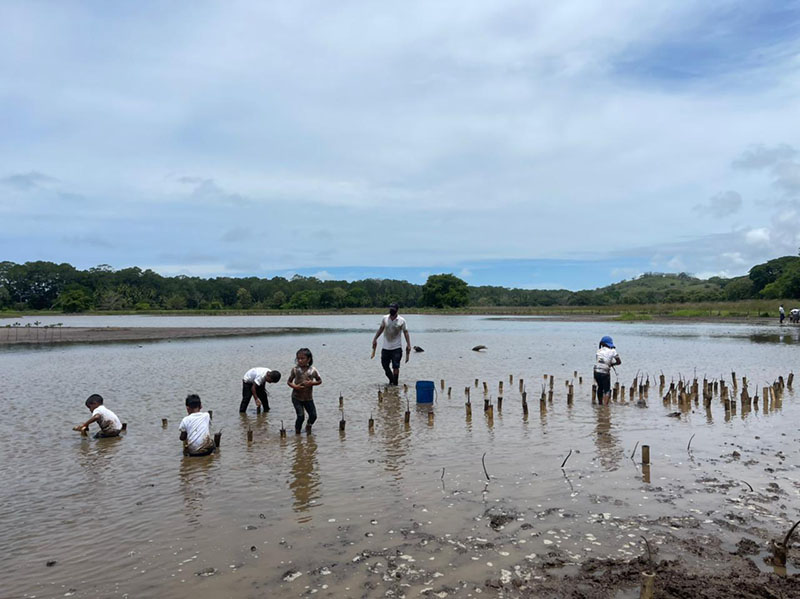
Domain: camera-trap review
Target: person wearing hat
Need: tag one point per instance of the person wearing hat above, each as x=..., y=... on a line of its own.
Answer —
x=606, y=358
x=391, y=327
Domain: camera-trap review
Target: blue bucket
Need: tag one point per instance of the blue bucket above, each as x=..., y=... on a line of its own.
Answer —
x=425, y=391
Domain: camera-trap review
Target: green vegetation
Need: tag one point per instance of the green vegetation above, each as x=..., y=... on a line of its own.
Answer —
x=46, y=286
x=633, y=316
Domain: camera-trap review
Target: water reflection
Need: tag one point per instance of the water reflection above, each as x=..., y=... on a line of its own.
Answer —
x=305, y=483
x=789, y=337
x=396, y=436
x=96, y=456
x=196, y=478
x=608, y=447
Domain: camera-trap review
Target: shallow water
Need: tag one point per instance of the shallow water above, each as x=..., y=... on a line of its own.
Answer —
x=357, y=514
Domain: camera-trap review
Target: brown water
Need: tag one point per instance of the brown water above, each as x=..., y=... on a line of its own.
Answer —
x=404, y=510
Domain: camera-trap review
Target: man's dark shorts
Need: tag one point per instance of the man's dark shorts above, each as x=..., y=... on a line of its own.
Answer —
x=393, y=356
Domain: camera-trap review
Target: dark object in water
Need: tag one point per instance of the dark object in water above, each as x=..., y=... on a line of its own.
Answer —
x=418, y=349
x=674, y=415
x=478, y=347
x=51, y=563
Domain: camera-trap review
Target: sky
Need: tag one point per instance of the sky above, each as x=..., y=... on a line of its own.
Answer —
x=564, y=144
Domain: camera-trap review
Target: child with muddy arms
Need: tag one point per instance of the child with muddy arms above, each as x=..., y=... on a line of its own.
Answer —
x=302, y=380
x=254, y=384
x=605, y=359
x=195, y=429
x=110, y=426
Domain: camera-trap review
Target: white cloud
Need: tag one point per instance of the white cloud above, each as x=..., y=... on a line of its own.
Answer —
x=323, y=275
x=758, y=236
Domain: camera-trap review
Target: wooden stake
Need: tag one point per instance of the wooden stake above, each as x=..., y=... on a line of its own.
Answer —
x=430, y=417
x=163, y=423
x=486, y=404
x=407, y=417
x=645, y=454
x=124, y=426
x=441, y=382
x=341, y=401
x=468, y=408
x=500, y=403
x=648, y=585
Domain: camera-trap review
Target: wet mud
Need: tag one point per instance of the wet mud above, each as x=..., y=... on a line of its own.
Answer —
x=459, y=506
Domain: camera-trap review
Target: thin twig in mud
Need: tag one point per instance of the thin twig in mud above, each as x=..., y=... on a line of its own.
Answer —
x=442, y=477
x=483, y=461
x=633, y=453
x=569, y=482
x=789, y=534
x=689, y=446
x=565, y=459
x=748, y=484
x=649, y=555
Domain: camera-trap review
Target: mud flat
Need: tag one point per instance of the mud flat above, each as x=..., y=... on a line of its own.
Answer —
x=67, y=335
x=553, y=501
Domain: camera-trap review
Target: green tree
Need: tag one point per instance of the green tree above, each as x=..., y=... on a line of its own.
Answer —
x=445, y=291
x=75, y=300
x=243, y=298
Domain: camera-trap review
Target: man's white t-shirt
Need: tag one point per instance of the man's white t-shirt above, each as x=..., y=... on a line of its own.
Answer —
x=606, y=357
x=109, y=423
x=196, y=426
x=392, y=330
x=256, y=375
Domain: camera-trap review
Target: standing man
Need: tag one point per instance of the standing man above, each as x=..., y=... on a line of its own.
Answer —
x=782, y=313
x=392, y=351
x=254, y=383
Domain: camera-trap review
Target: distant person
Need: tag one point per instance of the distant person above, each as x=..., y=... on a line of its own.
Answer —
x=254, y=383
x=110, y=426
x=195, y=429
x=302, y=380
x=781, y=313
x=605, y=359
x=794, y=315
x=391, y=327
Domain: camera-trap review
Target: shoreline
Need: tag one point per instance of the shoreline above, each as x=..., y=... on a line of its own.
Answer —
x=15, y=336
x=79, y=335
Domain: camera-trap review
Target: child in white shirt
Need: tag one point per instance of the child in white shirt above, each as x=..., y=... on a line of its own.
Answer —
x=195, y=429
x=110, y=425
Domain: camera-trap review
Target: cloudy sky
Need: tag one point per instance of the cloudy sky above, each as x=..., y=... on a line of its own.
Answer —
x=529, y=144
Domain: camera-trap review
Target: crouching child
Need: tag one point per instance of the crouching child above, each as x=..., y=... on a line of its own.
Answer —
x=195, y=429
x=110, y=425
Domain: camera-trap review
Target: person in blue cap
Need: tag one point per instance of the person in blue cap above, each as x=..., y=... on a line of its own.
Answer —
x=606, y=358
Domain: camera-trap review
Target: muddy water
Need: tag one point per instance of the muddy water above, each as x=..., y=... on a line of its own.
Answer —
x=406, y=509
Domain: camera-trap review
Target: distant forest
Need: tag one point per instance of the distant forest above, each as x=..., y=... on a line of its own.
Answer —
x=50, y=286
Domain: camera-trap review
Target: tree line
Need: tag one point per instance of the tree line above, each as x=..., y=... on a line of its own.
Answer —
x=51, y=286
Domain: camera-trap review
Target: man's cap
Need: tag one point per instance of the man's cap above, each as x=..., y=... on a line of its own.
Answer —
x=394, y=305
